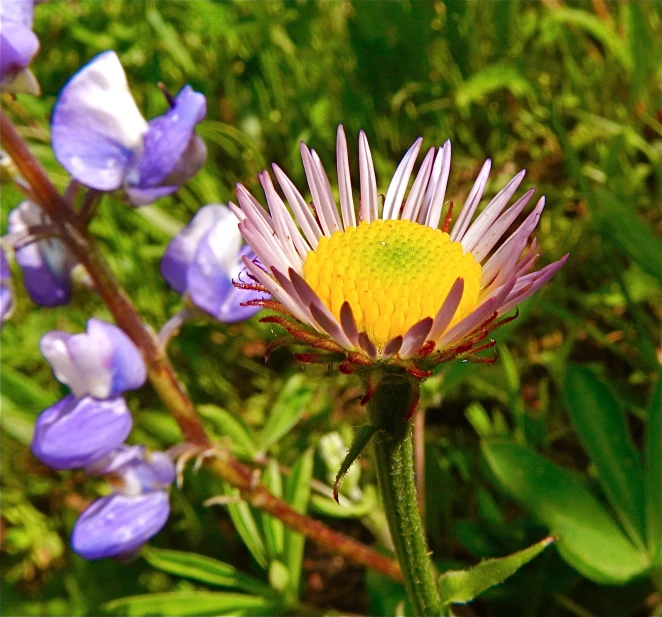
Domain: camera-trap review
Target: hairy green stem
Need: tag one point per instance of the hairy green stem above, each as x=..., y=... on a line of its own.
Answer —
x=394, y=464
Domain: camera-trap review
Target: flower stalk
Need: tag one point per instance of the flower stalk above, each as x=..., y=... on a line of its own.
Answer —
x=394, y=464
x=72, y=230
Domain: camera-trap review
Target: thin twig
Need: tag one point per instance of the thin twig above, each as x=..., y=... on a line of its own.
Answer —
x=161, y=372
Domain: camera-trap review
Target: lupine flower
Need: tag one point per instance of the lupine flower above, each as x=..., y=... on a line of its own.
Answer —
x=118, y=525
x=18, y=45
x=103, y=141
x=204, y=258
x=46, y=264
x=6, y=292
x=76, y=432
x=102, y=362
x=392, y=282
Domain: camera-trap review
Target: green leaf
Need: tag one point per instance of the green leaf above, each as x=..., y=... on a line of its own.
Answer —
x=288, y=408
x=489, y=80
x=23, y=391
x=347, y=509
x=184, y=603
x=653, y=473
x=246, y=527
x=170, y=38
x=297, y=494
x=274, y=531
x=589, y=539
x=227, y=425
x=602, y=429
x=359, y=443
x=203, y=569
x=462, y=586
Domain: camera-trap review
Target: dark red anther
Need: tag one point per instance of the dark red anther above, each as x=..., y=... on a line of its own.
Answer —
x=426, y=349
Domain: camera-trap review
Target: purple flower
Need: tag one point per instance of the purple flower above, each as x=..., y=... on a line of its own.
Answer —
x=75, y=432
x=18, y=45
x=204, y=258
x=46, y=264
x=102, y=362
x=6, y=292
x=119, y=525
x=102, y=140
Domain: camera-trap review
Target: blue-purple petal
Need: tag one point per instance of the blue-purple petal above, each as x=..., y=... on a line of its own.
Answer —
x=166, y=141
x=182, y=248
x=119, y=525
x=77, y=432
x=6, y=291
x=18, y=45
x=47, y=281
x=96, y=128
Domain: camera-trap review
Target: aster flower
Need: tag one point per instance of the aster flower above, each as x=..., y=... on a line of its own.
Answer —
x=46, y=264
x=6, y=292
x=204, y=258
x=102, y=362
x=18, y=45
x=103, y=141
x=77, y=432
x=118, y=525
x=390, y=283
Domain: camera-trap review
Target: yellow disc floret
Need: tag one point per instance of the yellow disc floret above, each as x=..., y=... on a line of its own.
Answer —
x=393, y=274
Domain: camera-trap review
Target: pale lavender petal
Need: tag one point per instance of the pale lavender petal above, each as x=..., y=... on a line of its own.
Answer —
x=181, y=250
x=289, y=241
x=436, y=204
x=543, y=277
x=471, y=203
x=320, y=202
x=400, y=181
x=367, y=346
x=392, y=347
x=494, y=233
x=17, y=11
x=166, y=141
x=468, y=324
x=96, y=127
x=491, y=212
x=119, y=525
x=153, y=471
x=76, y=432
x=329, y=324
x=18, y=45
x=348, y=324
x=118, y=458
x=293, y=297
x=326, y=193
x=415, y=337
x=299, y=207
x=417, y=192
x=368, y=209
x=447, y=311
x=344, y=180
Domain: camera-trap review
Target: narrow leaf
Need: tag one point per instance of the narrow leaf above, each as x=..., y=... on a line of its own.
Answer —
x=185, y=603
x=274, y=531
x=359, y=443
x=589, y=539
x=654, y=473
x=287, y=410
x=297, y=494
x=462, y=586
x=203, y=569
x=227, y=425
x=602, y=429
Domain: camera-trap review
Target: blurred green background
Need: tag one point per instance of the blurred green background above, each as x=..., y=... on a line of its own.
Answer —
x=562, y=434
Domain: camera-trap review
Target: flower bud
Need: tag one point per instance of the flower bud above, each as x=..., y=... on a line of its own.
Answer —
x=76, y=432
x=101, y=363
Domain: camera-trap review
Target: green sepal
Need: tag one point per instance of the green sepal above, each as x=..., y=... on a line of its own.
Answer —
x=462, y=586
x=359, y=444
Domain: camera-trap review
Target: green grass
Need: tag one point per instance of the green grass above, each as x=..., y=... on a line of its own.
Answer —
x=569, y=93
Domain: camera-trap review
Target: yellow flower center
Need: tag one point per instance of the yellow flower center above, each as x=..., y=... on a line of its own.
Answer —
x=393, y=274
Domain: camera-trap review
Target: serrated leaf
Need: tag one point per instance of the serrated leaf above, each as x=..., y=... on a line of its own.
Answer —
x=602, y=429
x=589, y=539
x=227, y=425
x=286, y=411
x=297, y=494
x=203, y=569
x=653, y=473
x=195, y=603
x=463, y=586
x=358, y=445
